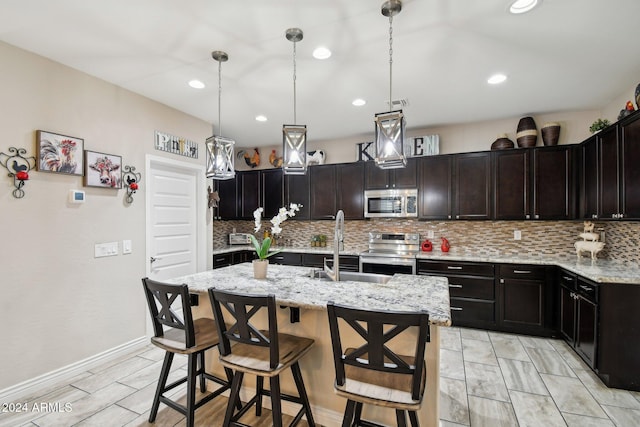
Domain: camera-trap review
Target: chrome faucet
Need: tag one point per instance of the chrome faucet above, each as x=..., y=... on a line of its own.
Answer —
x=338, y=245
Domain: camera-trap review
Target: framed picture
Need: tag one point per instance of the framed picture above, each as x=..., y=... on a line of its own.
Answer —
x=102, y=170
x=59, y=153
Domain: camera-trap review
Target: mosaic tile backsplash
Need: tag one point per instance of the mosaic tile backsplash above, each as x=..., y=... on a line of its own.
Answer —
x=471, y=237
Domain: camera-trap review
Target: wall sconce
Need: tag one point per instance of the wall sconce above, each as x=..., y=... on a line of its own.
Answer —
x=18, y=166
x=132, y=178
x=220, y=159
x=294, y=137
x=390, y=126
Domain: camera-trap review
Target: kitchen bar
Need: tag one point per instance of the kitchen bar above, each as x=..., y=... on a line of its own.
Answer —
x=295, y=287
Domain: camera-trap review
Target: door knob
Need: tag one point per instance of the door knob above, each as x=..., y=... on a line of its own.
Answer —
x=152, y=259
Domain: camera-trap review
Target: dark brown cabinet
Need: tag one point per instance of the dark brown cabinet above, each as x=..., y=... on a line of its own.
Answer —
x=296, y=190
x=472, y=186
x=248, y=193
x=272, y=191
x=286, y=258
x=534, y=183
x=609, y=176
x=524, y=304
x=323, y=187
x=347, y=262
x=434, y=187
x=228, y=204
x=350, y=189
x=579, y=315
x=380, y=179
x=471, y=291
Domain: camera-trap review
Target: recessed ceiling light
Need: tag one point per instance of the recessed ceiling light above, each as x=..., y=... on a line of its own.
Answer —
x=496, y=79
x=261, y=118
x=196, y=84
x=522, y=6
x=321, y=52
x=358, y=102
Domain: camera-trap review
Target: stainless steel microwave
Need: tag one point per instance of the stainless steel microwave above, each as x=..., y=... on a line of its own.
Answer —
x=394, y=203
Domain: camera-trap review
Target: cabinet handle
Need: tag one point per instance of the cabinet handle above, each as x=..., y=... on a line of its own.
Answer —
x=568, y=279
x=455, y=286
x=586, y=288
x=451, y=267
x=217, y=259
x=456, y=308
x=522, y=271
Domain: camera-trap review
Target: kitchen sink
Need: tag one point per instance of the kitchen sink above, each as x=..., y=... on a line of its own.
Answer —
x=353, y=277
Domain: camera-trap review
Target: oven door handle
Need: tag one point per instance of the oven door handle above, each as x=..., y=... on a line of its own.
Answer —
x=387, y=261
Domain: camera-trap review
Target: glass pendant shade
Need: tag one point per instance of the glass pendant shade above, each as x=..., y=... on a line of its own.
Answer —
x=294, y=148
x=220, y=163
x=389, y=140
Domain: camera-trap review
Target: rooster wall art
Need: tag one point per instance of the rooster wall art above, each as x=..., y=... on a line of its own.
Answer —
x=59, y=154
x=252, y=160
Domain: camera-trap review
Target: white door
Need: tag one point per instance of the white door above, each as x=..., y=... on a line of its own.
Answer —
x=176, y=225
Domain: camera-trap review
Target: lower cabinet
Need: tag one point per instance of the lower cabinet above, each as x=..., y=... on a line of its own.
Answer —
x=286, y=258
x=347, y=262
x=471, y=291
x=579, y=315
x=524, y=303
x=231, y=258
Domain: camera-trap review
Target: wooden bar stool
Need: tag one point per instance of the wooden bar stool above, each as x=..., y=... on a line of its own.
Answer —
x=373, y=373
x=179, y=334
x=258, y=352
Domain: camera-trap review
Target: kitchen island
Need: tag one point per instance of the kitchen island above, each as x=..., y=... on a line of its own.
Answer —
x=294, y=287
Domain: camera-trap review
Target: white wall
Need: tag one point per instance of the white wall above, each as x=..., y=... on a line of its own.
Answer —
x=58, y=303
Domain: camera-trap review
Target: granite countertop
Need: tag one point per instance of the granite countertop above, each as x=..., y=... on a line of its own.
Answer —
x=599, y=270
x=293, y=286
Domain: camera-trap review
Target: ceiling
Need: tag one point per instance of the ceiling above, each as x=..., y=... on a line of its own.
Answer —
x=564, y=55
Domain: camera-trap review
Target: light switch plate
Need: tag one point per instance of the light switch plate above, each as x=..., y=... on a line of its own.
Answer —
x=105, y=249
x=430, y=234
x=126, y=247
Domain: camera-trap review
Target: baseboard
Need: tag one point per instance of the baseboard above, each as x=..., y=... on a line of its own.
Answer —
x=25, y=388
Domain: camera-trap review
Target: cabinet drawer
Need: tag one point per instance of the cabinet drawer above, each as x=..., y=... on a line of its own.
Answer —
x=568, y=280
x=471, y=287
x=588, y=290
x=457, y=267
x=522, y=271
x=469, y=311
x=286, y=258
x=222, y=260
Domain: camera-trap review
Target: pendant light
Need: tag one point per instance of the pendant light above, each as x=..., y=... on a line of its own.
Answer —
x=294, y=137
x=220, y=163
x=390, y=126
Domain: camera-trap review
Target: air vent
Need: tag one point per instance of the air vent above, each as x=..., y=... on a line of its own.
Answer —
x=398, y=103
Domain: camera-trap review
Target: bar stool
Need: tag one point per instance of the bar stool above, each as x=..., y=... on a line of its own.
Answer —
x=179, y=334
x=258, y=352
x=373, y=373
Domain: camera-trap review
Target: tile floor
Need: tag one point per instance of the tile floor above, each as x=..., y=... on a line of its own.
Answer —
x=486, y=379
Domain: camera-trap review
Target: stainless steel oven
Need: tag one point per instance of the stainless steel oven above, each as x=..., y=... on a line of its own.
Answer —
x=390, y=253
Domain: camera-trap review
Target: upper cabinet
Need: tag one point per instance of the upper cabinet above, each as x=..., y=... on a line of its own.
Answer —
x=228, y=193
x=272, y=191
x=296, y=190
x=534, y=183
x=323, y=191
x=249, y=193
x=381, y=179
x=472, y=186
x=350, y=189
x=434, y=187
x=609, y=173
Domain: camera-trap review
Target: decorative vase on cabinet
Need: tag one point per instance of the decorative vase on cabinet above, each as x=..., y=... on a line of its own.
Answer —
x=550, y=133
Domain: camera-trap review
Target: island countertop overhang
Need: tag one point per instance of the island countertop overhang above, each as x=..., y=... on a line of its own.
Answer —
x=294, y=287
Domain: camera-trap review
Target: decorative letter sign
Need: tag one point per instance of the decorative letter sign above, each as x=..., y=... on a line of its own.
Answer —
x=176, y=145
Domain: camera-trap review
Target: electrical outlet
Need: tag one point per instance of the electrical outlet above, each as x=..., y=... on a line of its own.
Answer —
x=105, y=249
x=517, y=235
x=430, y=234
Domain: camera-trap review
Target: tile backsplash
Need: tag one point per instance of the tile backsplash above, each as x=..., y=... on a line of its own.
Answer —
x=478, y=237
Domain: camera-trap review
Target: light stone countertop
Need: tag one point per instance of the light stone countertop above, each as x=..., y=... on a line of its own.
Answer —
x=599, y=270
x=293, y=286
